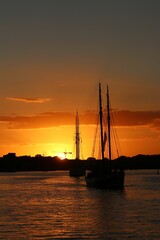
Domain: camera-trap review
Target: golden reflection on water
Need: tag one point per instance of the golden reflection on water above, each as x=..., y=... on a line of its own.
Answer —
x=50, y=205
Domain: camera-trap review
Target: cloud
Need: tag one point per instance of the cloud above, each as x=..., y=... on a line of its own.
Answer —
x=137, y=118
x=53, y=119
x=29, y=100
x=45, y=120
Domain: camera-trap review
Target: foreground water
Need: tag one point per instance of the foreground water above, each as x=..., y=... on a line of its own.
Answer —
x=52, y=205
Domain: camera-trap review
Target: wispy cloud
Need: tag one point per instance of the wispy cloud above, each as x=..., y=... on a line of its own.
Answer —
x=53, y=119
x=29, y=100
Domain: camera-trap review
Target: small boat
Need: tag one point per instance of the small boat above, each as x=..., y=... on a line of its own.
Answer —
x=77, y=170
x=103, y=176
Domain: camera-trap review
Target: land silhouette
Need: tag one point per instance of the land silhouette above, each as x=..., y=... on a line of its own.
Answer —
x=10, y=163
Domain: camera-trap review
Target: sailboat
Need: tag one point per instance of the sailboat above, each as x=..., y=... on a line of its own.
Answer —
x=103, y=176
x=77, y=169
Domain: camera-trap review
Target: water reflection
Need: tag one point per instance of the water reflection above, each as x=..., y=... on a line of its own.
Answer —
x=50, y=205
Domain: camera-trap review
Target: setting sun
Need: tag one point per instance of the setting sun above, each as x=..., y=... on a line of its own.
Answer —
x=61, y=155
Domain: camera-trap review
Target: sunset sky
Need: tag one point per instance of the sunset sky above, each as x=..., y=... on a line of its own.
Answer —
x=53, y=54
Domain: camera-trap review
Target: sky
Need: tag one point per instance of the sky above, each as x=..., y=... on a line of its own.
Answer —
x=53, y=54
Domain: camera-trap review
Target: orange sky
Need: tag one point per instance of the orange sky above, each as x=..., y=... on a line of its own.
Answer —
x=54, y=132
x=54, y=53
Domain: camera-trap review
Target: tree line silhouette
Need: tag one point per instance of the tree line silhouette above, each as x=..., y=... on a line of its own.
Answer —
x=11, y=163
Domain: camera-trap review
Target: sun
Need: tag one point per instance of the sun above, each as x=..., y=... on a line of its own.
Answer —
x=61, y=155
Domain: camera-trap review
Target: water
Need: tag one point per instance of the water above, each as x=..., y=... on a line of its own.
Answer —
x=52, y=205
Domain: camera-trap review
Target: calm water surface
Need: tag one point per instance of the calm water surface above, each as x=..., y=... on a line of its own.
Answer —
x=52, y=205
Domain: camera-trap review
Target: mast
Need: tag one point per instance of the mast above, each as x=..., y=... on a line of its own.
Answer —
x=77, y=137
x=101, y=121
x=109, y=124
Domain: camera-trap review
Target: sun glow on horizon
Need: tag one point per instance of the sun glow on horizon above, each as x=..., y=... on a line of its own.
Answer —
x=61, y=155
x=60, y=141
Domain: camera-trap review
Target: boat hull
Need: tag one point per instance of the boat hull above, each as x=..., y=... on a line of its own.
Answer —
x=111, y=180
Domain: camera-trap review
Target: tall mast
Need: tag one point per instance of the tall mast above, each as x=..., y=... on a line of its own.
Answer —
x=109, y=124
x=101, y=121
x=77, y=137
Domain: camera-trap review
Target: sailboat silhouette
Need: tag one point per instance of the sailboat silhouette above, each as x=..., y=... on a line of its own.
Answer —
x=103, y=176
x=77, y=170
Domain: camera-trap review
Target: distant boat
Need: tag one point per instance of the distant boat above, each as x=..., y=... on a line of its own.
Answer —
x=103, y=176
x=77, y=169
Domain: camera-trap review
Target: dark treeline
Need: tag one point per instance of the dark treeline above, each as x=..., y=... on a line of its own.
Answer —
x=10, y=163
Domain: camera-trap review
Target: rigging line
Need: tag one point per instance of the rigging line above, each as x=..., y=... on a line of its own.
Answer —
x=115, y=136
x=74, y=147
x=81, y=149
x=118, y=146
x=115, y=141
x=113, y=130
x=95, y=137
x=99, y=149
